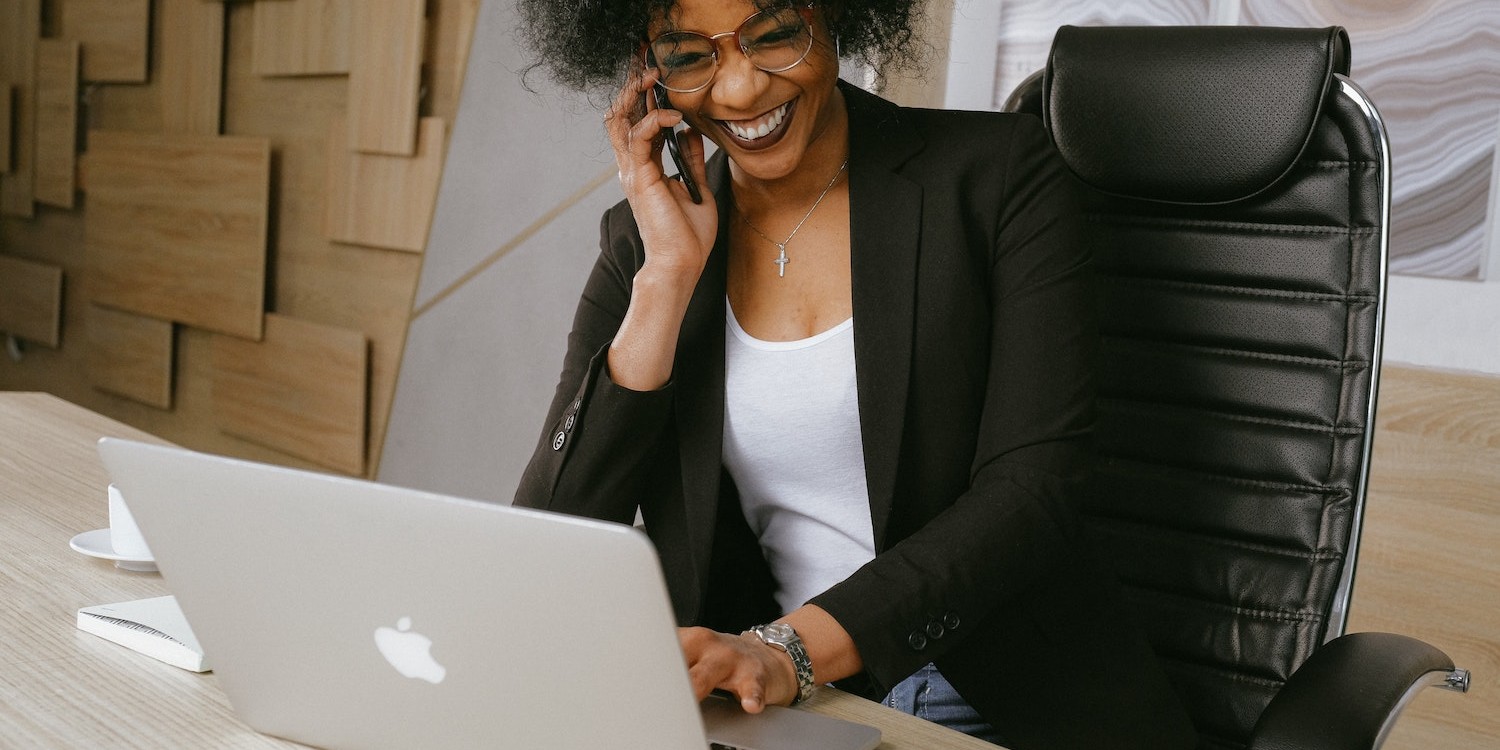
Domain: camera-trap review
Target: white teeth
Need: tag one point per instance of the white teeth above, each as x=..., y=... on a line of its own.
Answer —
x=772, y=121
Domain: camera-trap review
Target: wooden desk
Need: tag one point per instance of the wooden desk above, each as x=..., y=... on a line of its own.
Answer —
x=62, y=688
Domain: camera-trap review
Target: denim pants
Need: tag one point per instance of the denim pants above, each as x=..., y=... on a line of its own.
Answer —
x=928, y=695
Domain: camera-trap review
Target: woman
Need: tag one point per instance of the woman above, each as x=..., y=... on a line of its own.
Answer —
x=849, y=391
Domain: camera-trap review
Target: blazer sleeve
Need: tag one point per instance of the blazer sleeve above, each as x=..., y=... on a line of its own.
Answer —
x=979, y=555
x=591, y=457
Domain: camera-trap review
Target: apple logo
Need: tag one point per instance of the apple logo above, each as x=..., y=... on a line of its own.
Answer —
x=408, y=652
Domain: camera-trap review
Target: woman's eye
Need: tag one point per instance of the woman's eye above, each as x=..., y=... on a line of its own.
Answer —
x=682, y=60
x=778, y=35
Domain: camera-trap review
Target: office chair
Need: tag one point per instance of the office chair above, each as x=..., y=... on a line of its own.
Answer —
x=1237, y=192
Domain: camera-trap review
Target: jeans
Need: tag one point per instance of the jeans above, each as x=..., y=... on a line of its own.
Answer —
x=928, y=695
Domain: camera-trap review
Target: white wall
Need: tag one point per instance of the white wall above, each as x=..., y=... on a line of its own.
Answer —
x=1444, y=323
x=1450, y=324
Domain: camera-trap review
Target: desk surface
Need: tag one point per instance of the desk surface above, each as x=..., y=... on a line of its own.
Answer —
x=62, y=688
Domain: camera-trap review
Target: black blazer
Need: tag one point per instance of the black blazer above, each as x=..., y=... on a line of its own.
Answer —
x=973, y=339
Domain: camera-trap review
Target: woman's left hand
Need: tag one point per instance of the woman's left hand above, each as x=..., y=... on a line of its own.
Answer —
x=757, y=674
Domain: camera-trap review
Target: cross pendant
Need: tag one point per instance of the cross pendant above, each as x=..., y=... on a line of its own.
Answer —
x=781, y=261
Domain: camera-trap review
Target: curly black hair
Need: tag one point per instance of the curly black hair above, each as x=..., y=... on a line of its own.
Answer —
x=587, y=44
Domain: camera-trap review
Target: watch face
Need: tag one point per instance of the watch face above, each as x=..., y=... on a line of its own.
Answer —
x=779, y=632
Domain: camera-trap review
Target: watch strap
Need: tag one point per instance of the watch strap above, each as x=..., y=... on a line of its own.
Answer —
x=783, y=637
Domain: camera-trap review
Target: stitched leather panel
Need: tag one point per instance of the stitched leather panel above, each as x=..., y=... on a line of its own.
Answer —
x=1250, y=383
x=1238, y=347
x=1292, y=324
x=1209, y=504
x=1252, y=628
x=1308, y=257
x=1294, y=201
x=1208, y=742
x=1219, y=443
x=1204, y=625
x=1220, y=702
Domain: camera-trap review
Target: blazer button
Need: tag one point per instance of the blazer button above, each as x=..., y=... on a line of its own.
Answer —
x=951, y=620
x=917, y=640
x=558, y=440
x=935, y=629
x=568, y=423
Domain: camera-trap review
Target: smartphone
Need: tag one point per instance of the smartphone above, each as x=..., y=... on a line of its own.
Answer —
x=673, y=147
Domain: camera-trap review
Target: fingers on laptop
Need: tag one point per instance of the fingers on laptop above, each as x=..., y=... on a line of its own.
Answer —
x=742, y=665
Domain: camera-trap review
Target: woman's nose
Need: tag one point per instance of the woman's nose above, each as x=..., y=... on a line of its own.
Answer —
x=738, y=83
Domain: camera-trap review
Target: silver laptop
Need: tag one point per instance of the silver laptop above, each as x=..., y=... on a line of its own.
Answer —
x=348, y=614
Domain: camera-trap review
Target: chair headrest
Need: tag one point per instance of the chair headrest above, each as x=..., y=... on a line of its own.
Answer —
x=1188, y=114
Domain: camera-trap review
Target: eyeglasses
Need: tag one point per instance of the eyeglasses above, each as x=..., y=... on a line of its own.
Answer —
x=773, y=40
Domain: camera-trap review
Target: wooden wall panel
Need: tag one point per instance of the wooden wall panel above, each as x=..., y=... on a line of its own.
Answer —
x=191, y=65
x=20, y=29
x=115, y=36
x=176, y=227
x=385, y=75
x=1429, y=566
x=7, y=112
x=31, y=300
x=302, y=37
x=303, y=390
x=131, y=356
x=308, y=276
x=56, y=122
x=447, y=56
x=381, y=200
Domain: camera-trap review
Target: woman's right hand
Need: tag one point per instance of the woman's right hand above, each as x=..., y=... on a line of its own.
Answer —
x=677, y=233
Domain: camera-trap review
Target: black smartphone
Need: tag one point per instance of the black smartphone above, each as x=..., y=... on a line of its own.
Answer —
x=673, y=147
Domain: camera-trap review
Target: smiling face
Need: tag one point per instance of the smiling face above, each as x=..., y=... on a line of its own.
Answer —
x=769, y=124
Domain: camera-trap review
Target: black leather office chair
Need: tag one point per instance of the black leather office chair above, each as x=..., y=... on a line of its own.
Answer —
x=1238, y=193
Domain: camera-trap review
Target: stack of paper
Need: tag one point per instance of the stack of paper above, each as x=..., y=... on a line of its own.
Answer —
x=154, y=627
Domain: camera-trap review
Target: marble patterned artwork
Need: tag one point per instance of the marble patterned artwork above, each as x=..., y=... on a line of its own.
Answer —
x=1431, y=66
x=1433, y=69
x=1027, y=27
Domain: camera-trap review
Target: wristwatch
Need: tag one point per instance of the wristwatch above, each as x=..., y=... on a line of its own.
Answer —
x=783, y=637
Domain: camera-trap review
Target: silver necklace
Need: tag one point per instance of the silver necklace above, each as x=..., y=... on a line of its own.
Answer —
x=781, y=259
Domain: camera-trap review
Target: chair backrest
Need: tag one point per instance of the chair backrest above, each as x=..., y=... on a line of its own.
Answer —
x=1238, y=196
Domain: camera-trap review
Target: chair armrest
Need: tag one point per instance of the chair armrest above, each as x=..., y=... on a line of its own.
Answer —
x=1348, y=694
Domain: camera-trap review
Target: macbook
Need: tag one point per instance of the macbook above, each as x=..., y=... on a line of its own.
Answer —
x=348, y=614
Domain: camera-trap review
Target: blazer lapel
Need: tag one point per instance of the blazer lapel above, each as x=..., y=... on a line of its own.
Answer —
x=699, y=375
x=885, y=217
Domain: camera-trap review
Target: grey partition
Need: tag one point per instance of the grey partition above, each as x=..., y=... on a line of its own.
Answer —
x=515, y=233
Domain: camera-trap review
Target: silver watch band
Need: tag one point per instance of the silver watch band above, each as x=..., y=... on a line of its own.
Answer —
x=783, y=637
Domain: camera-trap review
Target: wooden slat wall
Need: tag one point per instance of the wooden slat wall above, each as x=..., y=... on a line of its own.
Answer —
x=448, y=34
x=131, y=356
x=20, y=27
x=115, y=37
x=1429, y=563
x=380, y=200
x=31, y=300
x=191, y=65
x=302, y=37
x=309, y=277
x=56, y=122
x=385, y=75
x=302, y=390
x=176, y=227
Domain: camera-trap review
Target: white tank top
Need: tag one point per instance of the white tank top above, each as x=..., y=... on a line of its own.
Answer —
x=792, y=444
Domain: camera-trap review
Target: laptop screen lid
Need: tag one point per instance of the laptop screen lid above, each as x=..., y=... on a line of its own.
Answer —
x=313, y=595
